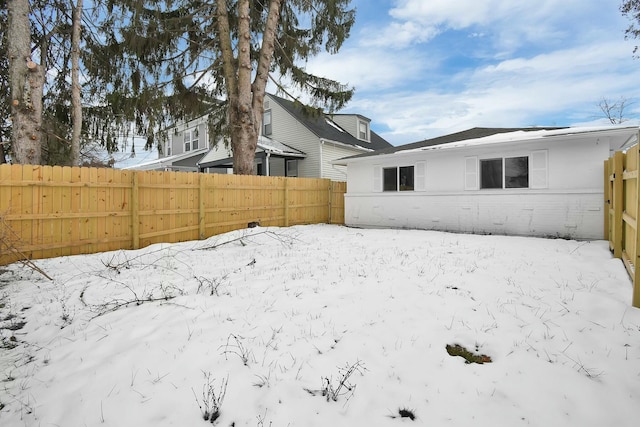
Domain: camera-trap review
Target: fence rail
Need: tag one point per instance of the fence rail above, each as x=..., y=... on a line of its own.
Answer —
x=54, y=211
x=622, y=206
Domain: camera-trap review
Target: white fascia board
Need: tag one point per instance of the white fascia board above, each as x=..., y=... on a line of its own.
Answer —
x=505, y=139
x=349, y=146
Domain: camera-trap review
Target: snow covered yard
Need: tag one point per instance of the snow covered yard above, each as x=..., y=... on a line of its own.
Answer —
x=282, y=316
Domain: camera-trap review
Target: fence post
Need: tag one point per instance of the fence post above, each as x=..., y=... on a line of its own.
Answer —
x=635, y=299
x=330, y=201
x=607, y=200
x=618, y=202
x=201, y=206
x=286, y=202
x=135, y=209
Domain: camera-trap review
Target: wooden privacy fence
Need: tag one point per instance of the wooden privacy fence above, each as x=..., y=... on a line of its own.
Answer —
x=55, y=211
x=622, y=206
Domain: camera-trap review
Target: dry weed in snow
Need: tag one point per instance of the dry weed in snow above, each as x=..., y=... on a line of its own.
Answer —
x=124, y=338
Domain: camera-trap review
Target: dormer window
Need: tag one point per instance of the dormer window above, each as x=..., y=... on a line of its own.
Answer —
x=363, y=130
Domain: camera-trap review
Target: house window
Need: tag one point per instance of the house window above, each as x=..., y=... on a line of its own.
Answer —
x=363, y=130
x=187, y=141
x=191, y=140
x=266, y=123
x=398, y=179
x=168, y=148
x=508, y=172
x=491, y=173
x=292, y=168
x=516, y=172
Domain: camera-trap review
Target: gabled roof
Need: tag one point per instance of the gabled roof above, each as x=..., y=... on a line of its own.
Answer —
x=272, y=146
x=624, y=135
x=264, y=143
x=473, y=133
x=323, y=127
x=165, y=162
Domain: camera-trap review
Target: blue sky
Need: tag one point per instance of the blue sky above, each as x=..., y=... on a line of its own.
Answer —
x=424, y=68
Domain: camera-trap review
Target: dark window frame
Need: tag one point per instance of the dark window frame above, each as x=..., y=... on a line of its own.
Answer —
x=398, y=178
x=498, y=173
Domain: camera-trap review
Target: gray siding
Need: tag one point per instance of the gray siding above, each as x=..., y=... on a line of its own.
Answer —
x=176, y=139
x=348, y=122
x=276, y=166
x=289, y=131
x=331, y=152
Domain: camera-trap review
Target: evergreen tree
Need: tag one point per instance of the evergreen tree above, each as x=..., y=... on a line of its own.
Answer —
x=5, y=109
x=631, y=9
x=65, y=138
x=158, y=62
x=26, y=81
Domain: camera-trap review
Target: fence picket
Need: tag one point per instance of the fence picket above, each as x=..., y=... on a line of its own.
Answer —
x=57, y=211
x=622, y=202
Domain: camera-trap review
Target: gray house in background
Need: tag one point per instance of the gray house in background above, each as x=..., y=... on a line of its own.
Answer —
x=293, y=143
x=184, y=145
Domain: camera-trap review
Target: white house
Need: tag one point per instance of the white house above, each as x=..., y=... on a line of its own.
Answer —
x=532, y=181
x=293, y=143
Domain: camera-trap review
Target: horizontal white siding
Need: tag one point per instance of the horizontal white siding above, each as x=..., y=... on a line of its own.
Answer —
x=559, y=214
x=331, y=152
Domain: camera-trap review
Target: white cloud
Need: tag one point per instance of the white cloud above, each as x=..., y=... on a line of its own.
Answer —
x=401, y=34
x=547, y=62
x=508, y=24
x=371, y=69
x=515, y=92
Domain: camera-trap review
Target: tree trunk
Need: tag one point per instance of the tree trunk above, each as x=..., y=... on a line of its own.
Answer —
x=76, y=100
x=244, y=138
x=245, y=97
x=26, y=81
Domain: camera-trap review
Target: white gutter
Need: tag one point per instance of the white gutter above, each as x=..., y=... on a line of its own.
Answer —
x=356, y=147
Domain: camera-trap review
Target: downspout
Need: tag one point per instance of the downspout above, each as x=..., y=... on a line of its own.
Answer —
x=321, y=160
x=266, y=160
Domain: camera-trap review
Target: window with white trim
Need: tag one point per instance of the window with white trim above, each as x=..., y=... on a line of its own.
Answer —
x=398, y=178
x=363, y=130
x=267, y=129
x=191, y=141
x=504, y=172
x=292, y=167
x=528, y=171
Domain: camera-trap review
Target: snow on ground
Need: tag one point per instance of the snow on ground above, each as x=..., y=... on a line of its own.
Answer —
x=142, y=338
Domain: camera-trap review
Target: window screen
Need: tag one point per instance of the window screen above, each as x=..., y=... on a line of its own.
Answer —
x=516, y=172
x=390, y=179
x=406, y=178
x=491, y=173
